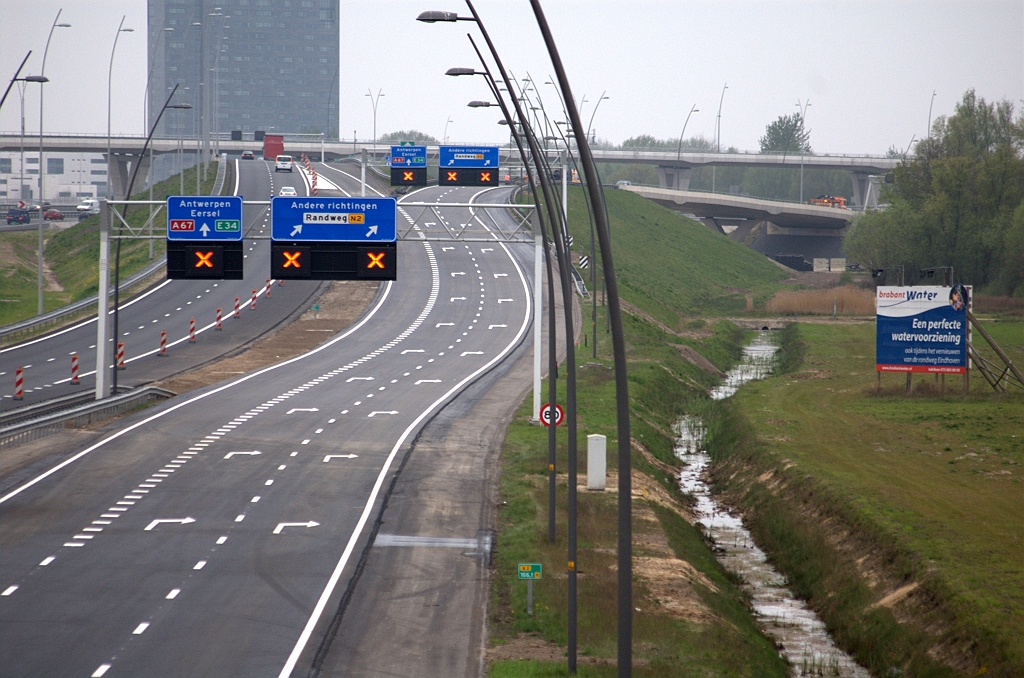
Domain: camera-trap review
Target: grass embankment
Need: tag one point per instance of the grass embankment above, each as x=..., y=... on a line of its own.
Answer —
x=897, y=518
x=691, y=619
x=71, y=254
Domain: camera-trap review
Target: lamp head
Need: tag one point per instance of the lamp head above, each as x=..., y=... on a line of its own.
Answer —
x=479, y=104
x=63, y=25
x=433, y=16
x=460, y=71
x=35, y=78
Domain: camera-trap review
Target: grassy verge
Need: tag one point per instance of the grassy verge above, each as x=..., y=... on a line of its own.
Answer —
x=897, y=518
x=691, y=619
x=72, y=253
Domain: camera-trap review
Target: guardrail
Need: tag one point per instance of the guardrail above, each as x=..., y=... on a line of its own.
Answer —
x=83, y=415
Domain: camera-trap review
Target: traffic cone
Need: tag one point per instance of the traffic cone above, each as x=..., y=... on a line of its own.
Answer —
x=238, y=312
x=120, y=355
x=163, y=344
x=192, y=330
x=74, y=370
x=218, y=319
x=19, y=383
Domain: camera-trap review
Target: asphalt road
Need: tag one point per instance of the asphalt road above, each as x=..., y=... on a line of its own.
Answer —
x=169, y=306
x=215, y=534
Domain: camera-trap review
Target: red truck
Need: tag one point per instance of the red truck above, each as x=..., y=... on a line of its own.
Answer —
x=273, y=146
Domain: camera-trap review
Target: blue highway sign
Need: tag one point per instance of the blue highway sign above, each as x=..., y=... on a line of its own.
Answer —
x=408, y=156
x=333, y=219
x=204, y=218
x=468, y=156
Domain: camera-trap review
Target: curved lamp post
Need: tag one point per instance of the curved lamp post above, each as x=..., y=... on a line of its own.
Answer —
x=373, y=102
x=110, y=78
x=679, y=150
x=803, y=145
x=718, y=133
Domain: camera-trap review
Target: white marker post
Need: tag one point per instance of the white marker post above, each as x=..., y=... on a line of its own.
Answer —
x=538, y=320
x=597, y=462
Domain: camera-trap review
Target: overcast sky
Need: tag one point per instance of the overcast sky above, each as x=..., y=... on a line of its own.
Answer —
x=867, y=67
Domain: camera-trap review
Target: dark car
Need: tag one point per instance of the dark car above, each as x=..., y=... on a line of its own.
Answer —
x=17, y=216
x=248, y=155
x=53, y=215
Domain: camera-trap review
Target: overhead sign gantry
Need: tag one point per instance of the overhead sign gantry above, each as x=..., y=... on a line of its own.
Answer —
x=408, y=165
x=204, y=237
x=467, y=166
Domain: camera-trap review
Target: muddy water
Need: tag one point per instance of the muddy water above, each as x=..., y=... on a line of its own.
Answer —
x=796, y=630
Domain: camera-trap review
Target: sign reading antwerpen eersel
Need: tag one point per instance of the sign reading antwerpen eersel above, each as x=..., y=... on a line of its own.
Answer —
x=333, y=219
x=204, y=218
x=921, y=329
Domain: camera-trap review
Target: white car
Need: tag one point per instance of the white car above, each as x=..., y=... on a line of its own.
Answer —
x=288, y=191
x=283, y=163
x=89, y=206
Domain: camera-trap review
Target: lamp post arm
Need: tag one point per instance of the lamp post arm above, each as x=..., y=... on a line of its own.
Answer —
x=625, y=532
x=14, y=79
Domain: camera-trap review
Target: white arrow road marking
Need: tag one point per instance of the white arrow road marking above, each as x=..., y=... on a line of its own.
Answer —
x=444, y=325
x=297, y=229
x=501, y=275
x=339, y=456
x=281, y=526
x=372, y=231
x=501, y=301
x=458, y=298
x=432, y=223
x=455, y=273
x=182, y=521
x=205, y=229
x=253, y=453
x=351, y=379
x=375, y=412
x=487, y=249
x=427, y=381
x=465, y=353
x=491, y=327
x=302, y=409
x=414, y=350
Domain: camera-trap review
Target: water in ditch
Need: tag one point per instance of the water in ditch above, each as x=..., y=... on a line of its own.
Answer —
x=797, y=631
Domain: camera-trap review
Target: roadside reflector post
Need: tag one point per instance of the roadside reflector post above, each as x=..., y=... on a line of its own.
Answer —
x=74, y=370
x=252, y=305
x=268, y=288
x=19, y=383
x=192, y=330
x=238, y=312
x=120, y=355
x=597, y=462
x=218, y=327
x=163, y=344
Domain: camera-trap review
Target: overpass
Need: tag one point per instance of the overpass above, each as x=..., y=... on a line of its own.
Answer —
x=674, y=169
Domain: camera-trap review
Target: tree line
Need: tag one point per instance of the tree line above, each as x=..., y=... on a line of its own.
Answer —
x=957, y=200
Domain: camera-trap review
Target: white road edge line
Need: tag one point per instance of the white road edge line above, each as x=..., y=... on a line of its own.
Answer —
x=318, y=610
x=118, y=434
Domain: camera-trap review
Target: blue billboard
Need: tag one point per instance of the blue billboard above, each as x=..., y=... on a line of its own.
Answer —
x=204, y=218
x=473, y=157
x=921, y=329
x=408, y=156
x=333, y=219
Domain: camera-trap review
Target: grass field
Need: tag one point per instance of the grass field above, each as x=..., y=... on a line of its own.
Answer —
x=72, y=255
x=931, y=485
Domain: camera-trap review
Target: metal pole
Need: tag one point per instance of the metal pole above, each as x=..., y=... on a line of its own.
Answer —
x=538, y=319
x=103, y=301
x=362, y=174
x=625, y=528
x=42, y=164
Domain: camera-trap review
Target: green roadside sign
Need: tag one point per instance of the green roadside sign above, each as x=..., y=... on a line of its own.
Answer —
x=531, y=571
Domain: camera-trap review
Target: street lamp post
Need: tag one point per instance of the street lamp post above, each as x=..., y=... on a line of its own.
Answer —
x=444, y=136
x=718, y=133
x=110, y=79
x=803, y=114
x=679, y=149
x=930, y=104
x=373, y=102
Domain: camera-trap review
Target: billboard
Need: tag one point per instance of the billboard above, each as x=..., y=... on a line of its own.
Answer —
x=921, y=329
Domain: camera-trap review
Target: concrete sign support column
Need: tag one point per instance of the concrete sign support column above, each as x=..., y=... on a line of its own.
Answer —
x=538, y=320
x=102, y=302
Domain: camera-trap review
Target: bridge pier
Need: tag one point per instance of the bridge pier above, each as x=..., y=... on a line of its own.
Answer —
x=862, y=182
x=119, y=172
x=674, y=177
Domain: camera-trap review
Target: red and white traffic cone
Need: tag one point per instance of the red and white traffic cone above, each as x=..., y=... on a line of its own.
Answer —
x=19, y=383
x=268, y=287
x=192, y=330
x=163, y=344
x=120, y=355
x=238, y=312
x=280, y=282
x=74, y=370
x=218, y=319
x=252, y=306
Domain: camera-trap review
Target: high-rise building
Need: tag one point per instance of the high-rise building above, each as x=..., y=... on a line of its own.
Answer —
x=247, y=65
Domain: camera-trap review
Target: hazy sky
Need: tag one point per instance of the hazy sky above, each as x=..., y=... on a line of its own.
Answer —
x=867, y=67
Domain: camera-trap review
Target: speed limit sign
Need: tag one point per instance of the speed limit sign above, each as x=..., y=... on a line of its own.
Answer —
x=545, y=414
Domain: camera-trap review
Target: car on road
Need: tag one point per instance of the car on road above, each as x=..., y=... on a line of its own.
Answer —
x=18, y=216
x=89, y=206
x=248, y=155
x=287, y=191
x=283, y=163
x=53, y=215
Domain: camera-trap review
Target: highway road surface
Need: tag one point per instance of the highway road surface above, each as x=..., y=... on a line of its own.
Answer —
x=217, y=533
x=169, y=306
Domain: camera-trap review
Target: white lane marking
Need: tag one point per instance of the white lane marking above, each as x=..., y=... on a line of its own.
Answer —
x=9, y=590
x=413, y=350
x=200, y=565
x=427, y=381
x=444, y=325
x=351, y=379
x=221, y=540
x=47, y=560
x=302, y=409
x=445, y=249
x=239, y=518
x=98, y=673
x=281, y=467
x=254, y=499
x=455, y=273
x=339, y=456
x=269, y=482
x=173, y=594
x=180, y=521
x=253, y=453
x=306, y=441
x=457, y=299
x=465, y=353
x=491, y=327
x=376, y=412
x=502, y=301
x=501, y=275
x=332, y=582
x=141, y=628
x=281, y=526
